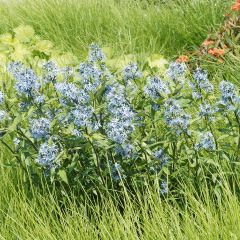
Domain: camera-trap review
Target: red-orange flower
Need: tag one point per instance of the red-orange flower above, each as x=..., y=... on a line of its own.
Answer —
x=207, y=42
x=183, y=58
x=236, y=6
x=217, y=52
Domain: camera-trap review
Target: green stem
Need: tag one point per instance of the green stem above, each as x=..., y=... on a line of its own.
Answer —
x=12, y=151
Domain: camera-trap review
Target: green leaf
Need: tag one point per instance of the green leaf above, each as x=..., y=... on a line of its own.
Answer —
x=63, y=175
x=13, y=126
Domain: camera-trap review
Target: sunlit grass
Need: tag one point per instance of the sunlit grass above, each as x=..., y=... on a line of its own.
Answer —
x=126, y=26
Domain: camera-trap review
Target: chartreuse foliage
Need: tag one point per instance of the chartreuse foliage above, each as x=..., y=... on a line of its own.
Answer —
x=25, y=46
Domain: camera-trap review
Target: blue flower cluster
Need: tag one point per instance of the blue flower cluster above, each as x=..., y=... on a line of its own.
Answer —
x=196, y=94
x=82, y=116
x=91, y=76
x=121, y=123
x=117, y=172
x=176, y=72
x=51, y=71
x=40, y=128
x=1, y=97
x=201, y=78
x=229, y=96
x=2, y=115
x=156, y=88
x=72, y=93
x=175, y=117
x=27, y=82
x=47, y=155
x=39, y=99
x=206, y=142
x=162, y=157
x=164, y=187
x=126, y=151
x=96, y=54
x=207, y=111
x=131, y=72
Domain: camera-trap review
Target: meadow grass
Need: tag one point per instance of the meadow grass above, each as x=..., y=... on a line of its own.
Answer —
x=28, y=214
x=127, y=26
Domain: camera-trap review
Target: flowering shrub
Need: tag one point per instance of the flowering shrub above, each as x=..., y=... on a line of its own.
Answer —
x=91, y=127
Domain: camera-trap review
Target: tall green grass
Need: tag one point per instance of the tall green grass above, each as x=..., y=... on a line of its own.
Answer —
x=25, y=213
x=128, y=26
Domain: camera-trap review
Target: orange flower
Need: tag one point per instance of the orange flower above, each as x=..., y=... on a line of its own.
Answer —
x=183, y=58
x=207, y=42
x=236, y=6
x=217, y=52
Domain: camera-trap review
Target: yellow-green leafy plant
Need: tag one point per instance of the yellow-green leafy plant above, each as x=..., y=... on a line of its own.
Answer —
x=24, y=45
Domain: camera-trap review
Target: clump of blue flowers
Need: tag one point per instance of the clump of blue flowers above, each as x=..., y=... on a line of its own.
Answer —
x=176, y=72
x=97, y=127
x=176, y=117
x=156, y=88
x=202, y=81
x=229, y=96
x=40, y=128
x=131, y=72
x=47, y=155
x=206, y=142
x=27, y=82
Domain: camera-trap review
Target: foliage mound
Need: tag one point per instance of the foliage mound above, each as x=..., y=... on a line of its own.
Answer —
x=88, y=126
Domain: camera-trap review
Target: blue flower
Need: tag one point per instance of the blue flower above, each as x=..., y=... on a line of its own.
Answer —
x=229, y=96
x=176, y=72
x=207, y=111
x=206, y=142
x=39, y=99
x=164, y=187
x=91, y=76
x=156, y=88
x=67, y=72
x=126, y=150
x=119, y=131
x=162, y=157
x=131, y=72
x=195, y=93
x=40, y=128
x=77, y=133
x=117, y=172
x=16, y=142
x=155, y=106
x=27, y=83
x=51, y=70
x=201, y=78
x=175, y=116
x=14, y=67
x=82, y=116
x=1, y=97
x=2, y=115
x=72, y=93
x=95, y=54
x=47, y=155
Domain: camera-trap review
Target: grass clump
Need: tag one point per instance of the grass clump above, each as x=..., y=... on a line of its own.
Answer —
x=126, y=26
x=28, y=214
